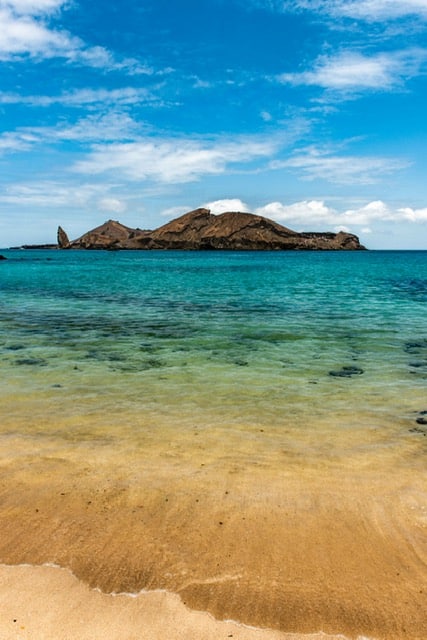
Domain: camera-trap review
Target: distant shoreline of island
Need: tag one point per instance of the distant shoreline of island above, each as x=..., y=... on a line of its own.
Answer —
x=202, y=230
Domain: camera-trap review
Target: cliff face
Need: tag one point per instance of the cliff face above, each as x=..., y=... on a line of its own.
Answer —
x=200, y=229
x=110, y=235
x=63, y=241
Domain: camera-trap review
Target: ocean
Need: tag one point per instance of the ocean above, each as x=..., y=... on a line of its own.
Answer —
x=175, y=375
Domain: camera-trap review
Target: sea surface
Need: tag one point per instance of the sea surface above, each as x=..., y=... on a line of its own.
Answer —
x=245, y=429
x=269, y=338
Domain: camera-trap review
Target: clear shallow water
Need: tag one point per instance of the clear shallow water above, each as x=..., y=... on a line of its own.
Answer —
x=298, y=340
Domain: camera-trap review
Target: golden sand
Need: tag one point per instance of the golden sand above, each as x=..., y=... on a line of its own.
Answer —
x=274, y=541
x=49, y=603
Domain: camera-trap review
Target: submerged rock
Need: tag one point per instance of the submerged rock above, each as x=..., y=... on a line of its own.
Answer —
x=38, y=362
x=347, y=372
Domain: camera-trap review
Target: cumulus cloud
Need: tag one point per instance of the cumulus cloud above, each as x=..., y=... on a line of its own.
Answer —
x=314, y=163
x=413, y=215
x=222, y=206
x=351, y=71
x=317, y=213
x=298, y=212
x=25, y=30
x=173, y=161
x=27, y=34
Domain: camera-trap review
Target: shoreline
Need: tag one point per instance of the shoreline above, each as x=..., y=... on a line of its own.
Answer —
x=49, y=602
x=296, y=549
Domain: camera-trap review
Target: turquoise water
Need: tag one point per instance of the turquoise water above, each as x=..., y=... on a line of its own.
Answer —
x=286, y=338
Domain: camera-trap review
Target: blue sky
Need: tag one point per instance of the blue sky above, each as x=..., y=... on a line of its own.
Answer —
x=310, y=112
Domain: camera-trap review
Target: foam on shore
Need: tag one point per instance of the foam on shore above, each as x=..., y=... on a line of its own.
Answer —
x=49, y=603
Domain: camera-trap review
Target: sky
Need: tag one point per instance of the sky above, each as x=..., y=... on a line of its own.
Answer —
x=310, y=112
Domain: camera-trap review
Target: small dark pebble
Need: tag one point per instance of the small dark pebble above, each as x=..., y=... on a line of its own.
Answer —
x=422, y=413
x=421, y=420
x=241, y=363
x=3, y=258
x=57, y=386
x=417, y=365
x=15, y=347
x=418, y=430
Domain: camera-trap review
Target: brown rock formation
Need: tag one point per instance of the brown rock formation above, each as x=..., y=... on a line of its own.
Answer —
x=63, y=241
x=200, y=229
x=110, y=235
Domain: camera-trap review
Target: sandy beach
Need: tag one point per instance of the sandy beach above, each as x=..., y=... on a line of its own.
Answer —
x=50, y=604
x=291, y=548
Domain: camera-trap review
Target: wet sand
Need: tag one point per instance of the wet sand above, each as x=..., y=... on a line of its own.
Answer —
x=49, y=603
x=264, y=536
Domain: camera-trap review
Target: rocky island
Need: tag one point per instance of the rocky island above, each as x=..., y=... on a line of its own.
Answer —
x=202, y=230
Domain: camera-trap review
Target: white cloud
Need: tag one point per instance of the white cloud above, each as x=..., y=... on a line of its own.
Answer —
x=351, y=71
x=174, y=161
x=11, y=142
x=413, y=215
x=26, y=34
x=298, y=212
x=84, y=97
x=222, y=206
x=313, y=163
x=49, y=194
x=113, y=126
x=112, y=204
x=370, y=10
x=376, y=210
x=25, y=31
x=32, y=7
x=367, y=10
x=316, y=213
x=175, y=212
